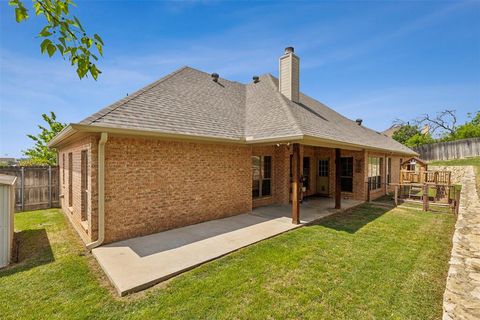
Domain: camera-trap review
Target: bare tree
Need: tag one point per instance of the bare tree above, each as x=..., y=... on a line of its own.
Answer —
x=444, y=120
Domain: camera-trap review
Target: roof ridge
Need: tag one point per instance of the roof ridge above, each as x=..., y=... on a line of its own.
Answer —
x=107, y=110
x=284, y=103
x=201, y=71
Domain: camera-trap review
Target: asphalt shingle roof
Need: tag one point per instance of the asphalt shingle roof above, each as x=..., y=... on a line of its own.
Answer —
x=187, y=101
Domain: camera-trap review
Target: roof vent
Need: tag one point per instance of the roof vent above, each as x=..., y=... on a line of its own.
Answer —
x=256, y=79
x=215, y=77
x=359, y=121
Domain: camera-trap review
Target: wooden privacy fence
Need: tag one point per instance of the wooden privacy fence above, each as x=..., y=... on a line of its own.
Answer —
x=36, y=187
x=450, y=150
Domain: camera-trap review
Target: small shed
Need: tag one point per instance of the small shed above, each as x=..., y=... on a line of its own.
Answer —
x=414, y=164
x=7, y=206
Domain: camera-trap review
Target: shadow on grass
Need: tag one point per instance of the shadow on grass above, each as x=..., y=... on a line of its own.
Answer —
x=31, y=249
x=354, y=219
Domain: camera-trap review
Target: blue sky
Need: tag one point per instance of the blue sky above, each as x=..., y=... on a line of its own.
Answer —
x=372, y=60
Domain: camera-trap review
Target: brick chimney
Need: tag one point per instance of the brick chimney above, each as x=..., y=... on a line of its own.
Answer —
x=289, y=75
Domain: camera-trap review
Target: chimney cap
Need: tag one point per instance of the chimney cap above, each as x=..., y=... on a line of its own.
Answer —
x=359, y=121
x=289, y=50
x=255, y=79
x=215, y=77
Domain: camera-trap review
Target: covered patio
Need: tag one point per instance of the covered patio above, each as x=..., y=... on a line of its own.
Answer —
x=138, y=263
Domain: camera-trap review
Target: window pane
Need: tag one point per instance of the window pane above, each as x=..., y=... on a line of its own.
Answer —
x=256, y=167
x=323, y=168
x=266, y=188
x=306, y=172
x=346, y=184
x=256, y=188
x=346, y=167
x=267, y=167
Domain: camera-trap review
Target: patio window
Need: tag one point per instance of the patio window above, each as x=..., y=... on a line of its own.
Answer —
x=323, y=168
x=262, y=176
x=374, y=173
x=389, y=170
x=346, y=174
x=84, y=184
x=70, y=178
x=306, y=173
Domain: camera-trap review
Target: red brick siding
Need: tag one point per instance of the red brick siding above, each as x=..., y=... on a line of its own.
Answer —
x=87, y=229
x=154, y=185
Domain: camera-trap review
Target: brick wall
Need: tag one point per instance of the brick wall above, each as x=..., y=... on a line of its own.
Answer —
x=88, y=228
x=154, y=185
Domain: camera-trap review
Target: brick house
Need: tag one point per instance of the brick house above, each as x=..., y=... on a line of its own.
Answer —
x=193, y=146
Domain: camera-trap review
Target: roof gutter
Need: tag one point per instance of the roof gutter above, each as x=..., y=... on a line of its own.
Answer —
x=101, y=192
x=73, y=128
x=66, y=132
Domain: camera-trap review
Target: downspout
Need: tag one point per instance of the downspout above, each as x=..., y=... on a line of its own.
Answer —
x=101, y=192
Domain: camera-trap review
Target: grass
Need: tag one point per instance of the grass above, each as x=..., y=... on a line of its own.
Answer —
x=365, y=264
x=457, y=162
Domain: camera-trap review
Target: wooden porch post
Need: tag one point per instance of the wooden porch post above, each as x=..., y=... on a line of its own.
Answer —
x=295, y=184
x=338, y=180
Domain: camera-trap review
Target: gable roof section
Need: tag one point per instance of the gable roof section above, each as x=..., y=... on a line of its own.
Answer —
x=188, y=102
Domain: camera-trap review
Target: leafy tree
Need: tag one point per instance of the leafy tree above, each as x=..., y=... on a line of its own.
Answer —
x=471, y=129
x=440, y=127
x=64, y=34
x=40, y=154
x=405, y=132
x=418, y=139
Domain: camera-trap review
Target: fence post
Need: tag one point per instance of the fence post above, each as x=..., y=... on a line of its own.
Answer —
x=49, y=186
x=457, y=202
x=22, y=187
x=425, y=197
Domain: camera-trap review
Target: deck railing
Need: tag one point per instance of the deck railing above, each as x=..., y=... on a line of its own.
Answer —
x=422, y=177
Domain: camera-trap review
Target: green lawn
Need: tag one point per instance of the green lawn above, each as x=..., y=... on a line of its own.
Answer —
x=370, y=263
x=457, y=162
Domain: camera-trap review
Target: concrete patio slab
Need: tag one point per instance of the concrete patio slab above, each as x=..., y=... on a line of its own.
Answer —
x=138, y=263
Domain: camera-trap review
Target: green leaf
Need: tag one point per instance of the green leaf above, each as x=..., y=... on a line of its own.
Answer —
x=78, y=23
x=45, y=32
x=51, y=49
x=94, y=71
x=97, y=37
x=21, y=14
x=99, y=48
x=61, y=49
x=44, y=45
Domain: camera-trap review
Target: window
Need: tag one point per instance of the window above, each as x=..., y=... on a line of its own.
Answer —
x=346, y=174
x=375, y=165
x=306, y=172
x=262, y=176
x=84, y=184
x=389, y=170
x=70, y=177
x=63, y=170
x=323, y=168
